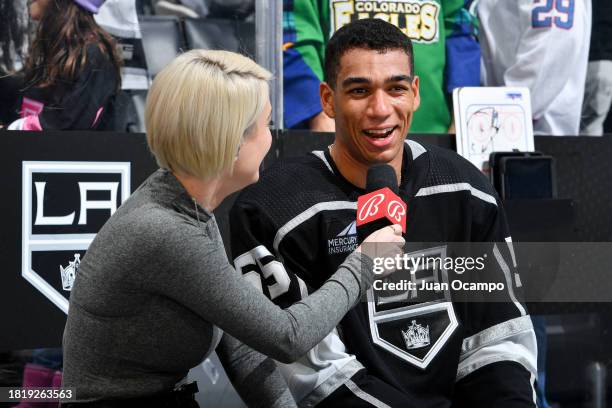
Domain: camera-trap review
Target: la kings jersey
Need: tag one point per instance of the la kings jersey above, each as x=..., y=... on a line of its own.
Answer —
x=291, y=231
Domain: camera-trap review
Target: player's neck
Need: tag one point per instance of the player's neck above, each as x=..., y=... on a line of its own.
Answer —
x=355, y=171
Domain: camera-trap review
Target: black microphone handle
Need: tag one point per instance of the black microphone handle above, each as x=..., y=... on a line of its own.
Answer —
x=366, y=229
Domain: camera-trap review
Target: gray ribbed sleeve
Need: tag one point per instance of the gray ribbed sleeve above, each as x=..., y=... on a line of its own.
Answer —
x=155, y=286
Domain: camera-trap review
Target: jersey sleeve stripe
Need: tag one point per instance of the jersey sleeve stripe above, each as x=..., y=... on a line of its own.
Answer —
x=331, y=384
x=511, y=249
x=452, y=188
x=308, y=214
x=508, y=276
x=495, y=333
x=532, y=380
x=513, y=340
x=372, y=400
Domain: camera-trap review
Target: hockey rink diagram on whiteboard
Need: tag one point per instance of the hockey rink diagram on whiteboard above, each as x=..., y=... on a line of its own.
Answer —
x=492, y=120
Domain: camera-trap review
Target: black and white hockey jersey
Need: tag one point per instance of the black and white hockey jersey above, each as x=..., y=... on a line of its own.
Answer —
x=290, y=232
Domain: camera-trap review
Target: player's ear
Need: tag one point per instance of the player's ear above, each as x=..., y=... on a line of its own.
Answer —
x=415, y=90
x=417, y=96
x=326, y=94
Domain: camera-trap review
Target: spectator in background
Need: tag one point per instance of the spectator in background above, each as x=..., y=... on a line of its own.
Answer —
x=541, y=45
x=72, y=72
x=44, y=371
x=120, y=19
x=13, y=33
x=598, y=87
x=447, y=54
x=13, y=38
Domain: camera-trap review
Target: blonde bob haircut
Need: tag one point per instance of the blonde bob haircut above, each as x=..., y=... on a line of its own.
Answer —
x=199, y=109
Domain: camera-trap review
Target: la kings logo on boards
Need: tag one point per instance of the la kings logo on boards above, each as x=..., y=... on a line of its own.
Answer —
x=68, y=274
x=344, y=242
x=64, y=205
x=414, y=325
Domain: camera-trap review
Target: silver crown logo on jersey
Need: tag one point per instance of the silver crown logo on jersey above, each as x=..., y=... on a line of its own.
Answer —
x=394, y=317
x=416, y=336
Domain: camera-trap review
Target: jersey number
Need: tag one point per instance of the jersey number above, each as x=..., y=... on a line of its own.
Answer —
x=273, y=268
x=559, y=13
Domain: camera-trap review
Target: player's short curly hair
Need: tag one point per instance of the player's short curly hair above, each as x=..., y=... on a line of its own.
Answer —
x=371, y=34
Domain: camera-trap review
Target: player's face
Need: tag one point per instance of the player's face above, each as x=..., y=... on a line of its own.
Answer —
x=253, y=150
x=373, y=103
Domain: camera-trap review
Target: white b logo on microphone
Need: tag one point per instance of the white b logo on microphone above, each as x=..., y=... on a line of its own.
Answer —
x=370, y=207
x=396, y=210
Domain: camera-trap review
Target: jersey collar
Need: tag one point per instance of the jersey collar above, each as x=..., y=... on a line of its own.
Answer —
x=415, y=167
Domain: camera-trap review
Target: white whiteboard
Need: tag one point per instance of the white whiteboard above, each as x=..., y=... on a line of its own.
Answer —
x=492, y=119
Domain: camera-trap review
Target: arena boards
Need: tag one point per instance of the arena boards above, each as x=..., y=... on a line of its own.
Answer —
x=59, y=189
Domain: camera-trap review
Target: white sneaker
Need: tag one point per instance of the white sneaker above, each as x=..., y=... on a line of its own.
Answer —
x=167, y=8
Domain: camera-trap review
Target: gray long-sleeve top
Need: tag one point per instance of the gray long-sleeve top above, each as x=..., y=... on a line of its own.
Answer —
x=156, y=286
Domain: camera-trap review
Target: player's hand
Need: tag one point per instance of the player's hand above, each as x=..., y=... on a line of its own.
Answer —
x=386, y=242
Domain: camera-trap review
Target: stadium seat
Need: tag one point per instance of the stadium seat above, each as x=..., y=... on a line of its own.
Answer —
x=136, y=123
x=211, y=34
x=223, y=34
x=576, y=378
x=144, y=7
x=245, y=32
x=608, y=123
x=162, y=41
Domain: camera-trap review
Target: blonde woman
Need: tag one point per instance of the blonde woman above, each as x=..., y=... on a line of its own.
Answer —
x=155, y=291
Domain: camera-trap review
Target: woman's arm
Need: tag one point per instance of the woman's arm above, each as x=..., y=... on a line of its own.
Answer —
x=200, y=277
x=254, y=376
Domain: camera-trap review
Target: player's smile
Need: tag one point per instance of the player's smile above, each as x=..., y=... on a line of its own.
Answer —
x=380, y=137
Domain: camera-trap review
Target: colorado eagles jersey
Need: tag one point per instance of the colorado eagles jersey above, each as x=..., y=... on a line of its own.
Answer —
x=291, y=231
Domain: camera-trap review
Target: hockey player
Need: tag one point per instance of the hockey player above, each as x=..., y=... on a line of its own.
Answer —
x=292, y=229
x=443, y=35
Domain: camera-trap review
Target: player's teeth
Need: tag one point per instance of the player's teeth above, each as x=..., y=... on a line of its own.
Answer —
x=379, y=132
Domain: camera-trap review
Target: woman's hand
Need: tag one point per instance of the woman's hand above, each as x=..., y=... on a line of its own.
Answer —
x=386, y=242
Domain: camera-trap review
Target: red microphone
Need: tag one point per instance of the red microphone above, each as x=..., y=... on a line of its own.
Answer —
x=381, y=206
